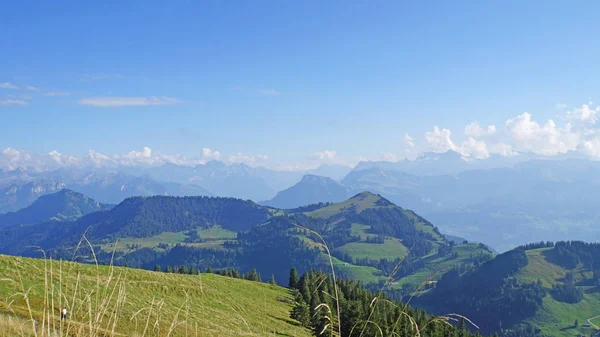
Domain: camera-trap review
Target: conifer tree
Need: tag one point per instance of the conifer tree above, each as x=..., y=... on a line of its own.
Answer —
x=294, y=279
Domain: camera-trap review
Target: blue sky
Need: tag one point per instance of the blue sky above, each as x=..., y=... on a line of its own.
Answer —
x=290, y=80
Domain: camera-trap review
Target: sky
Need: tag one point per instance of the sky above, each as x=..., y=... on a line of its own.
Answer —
x=290, y=84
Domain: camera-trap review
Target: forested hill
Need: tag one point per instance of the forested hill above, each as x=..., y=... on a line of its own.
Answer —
x=65, y=205
x=139, y=217
x=541, y=289
x=367, y=236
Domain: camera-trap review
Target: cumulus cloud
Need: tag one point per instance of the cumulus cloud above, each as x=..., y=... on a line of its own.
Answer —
x=585, y=113
x=115, y=102
x=528, y=135
x=326, y=155
x=210, y=154
x=440, y=140
x=475, y=148
x=409, y=141
x=10, y=101
x=476, y=131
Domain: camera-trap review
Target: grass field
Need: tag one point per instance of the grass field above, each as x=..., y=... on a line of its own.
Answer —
x=127, y=302
x=437, y=266
x=364, y=274
x=211, y=237
x=556, y=315
x=390, y=249
x=360, y=202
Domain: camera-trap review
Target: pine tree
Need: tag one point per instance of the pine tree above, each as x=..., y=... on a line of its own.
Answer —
x=294, y=279
x=157, y=268
x=301, y=313
x=168, y=270
x=183, y=270
x=272, y=280
x=253, y=276
x=208, y=270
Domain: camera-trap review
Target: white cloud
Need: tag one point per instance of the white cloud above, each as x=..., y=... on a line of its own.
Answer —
x=590, y=147
x=210, y=154
x=269, y=92
x=57, y=93
x=113, y=102
x=503, y=149
x=439, y=140
x=240, y=158
x=409, y=141
x=475, y=148
x=585, y=113
x=476, y=131
x=99, y=160
x=137, y=158
x=560, y=106
x=10, y=101
x=7, y=85
x=326, y=155
x=30, y=88
x=548, y=139
x=63, y=159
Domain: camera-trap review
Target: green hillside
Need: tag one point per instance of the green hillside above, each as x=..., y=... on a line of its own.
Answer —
x=131, y=301
x=540, y=289
x=556, y=315
x=369, y=237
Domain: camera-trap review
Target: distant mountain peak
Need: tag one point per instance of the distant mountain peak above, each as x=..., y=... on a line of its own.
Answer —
x=316, y=178
x=64, y=205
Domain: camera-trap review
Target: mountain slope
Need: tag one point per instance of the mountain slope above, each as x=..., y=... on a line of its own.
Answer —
x=19, y=195
x=310, y=190
x=367, y=235
x=65, y=205
x=201, y=305
x=546, y=200
x=539, y=289
x=236, y=180
x=105, y=186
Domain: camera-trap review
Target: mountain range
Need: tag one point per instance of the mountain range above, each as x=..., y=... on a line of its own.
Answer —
x=502, y=201
x=545, y=285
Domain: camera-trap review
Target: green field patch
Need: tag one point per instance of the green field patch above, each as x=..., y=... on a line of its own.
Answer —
x=359, y=203
x=391, y=249
x=555, y=315
x=360, y=273
x=216, y=233
x=361, y=230
x=436, y=266
x=539, y=268
x=131, y=244
x=213, y=244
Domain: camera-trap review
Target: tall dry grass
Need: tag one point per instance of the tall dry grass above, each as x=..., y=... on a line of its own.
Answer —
x=91, y=312
x=96, y=311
